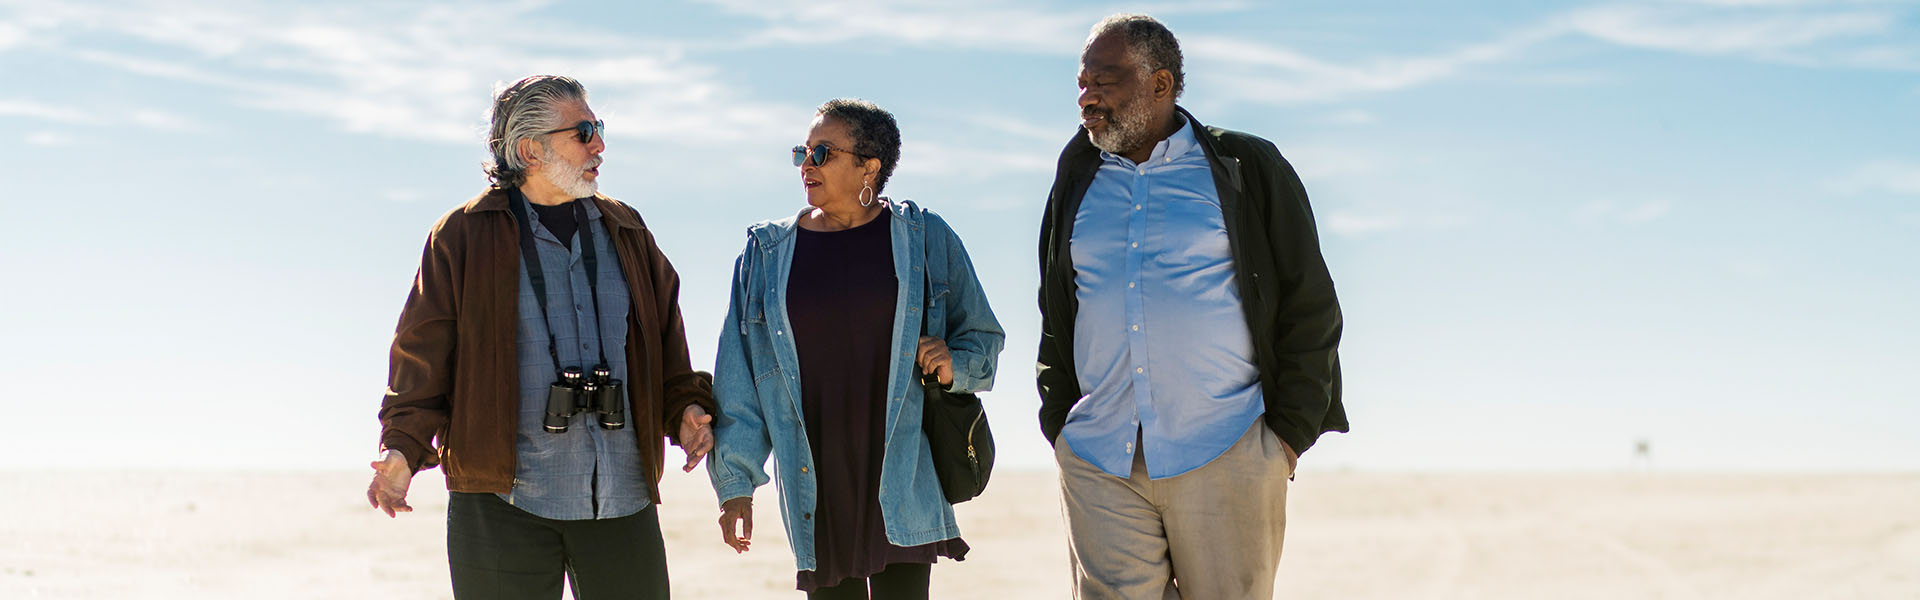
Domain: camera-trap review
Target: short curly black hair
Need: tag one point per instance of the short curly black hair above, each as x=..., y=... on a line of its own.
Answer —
x=1149, y=40
x=874, y=133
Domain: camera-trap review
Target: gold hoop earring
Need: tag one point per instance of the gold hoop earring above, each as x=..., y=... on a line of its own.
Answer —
x=866, y=195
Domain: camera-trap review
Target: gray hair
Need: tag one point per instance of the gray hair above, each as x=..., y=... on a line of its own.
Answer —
x=1150, y=43
x=525, y=110
x=874, y=132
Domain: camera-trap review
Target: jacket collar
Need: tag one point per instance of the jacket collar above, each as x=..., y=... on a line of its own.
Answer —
x=769, y=234
x=495, y=198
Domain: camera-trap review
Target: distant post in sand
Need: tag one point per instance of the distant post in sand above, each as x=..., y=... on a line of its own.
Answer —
x=1642, y=455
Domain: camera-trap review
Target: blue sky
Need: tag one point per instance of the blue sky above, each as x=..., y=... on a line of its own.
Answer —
x=1556, y=227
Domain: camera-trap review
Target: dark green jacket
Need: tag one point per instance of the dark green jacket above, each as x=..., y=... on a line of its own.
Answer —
x=1284, y=287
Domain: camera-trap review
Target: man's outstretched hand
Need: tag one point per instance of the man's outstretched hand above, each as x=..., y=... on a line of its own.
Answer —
x=696, y=435
x=391, y=476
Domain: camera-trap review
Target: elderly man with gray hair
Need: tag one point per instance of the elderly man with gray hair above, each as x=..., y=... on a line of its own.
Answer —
x=540, y=361
x=1189, y=334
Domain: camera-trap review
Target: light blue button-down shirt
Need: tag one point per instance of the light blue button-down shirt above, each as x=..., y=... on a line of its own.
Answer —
x=1160, y=339
x=587, y=472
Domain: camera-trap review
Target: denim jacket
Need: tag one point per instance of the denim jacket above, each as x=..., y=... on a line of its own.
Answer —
x=757, y=379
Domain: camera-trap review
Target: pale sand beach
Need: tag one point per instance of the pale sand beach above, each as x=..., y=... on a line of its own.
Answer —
x=200, y=534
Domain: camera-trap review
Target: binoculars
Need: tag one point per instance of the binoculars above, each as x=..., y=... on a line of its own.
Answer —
x=574, y=392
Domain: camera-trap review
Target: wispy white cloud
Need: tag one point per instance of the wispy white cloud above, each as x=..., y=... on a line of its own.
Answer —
x=1015, y=127
x=1267, y=73
x=1762, y=34
x=1002, y=26
x=49, y=138
x=11, y=35
x=147, y=118
x=411, y=71
x=1263, y=72
x=403, y=71
x=1259, y=71
x=1622, y=212
x=1896, y=177
x=935, y=159
x=1352, y=116
x=997, y=25
x=42, y=111
x=1807, y=34
x=161, y=120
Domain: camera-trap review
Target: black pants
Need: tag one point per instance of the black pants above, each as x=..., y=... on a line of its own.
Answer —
x=899, y=581
x=497, y=551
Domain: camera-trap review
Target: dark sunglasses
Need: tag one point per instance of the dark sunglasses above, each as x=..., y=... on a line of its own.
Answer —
x=585, y=130
x=818, y=155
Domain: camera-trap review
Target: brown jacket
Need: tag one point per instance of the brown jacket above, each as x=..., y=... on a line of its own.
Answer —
x=452, y=380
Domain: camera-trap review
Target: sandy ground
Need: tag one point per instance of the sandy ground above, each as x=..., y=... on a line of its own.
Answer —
x=150, y=534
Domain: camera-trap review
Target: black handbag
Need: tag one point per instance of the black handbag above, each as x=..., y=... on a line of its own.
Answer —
x=962, y=445
x=955, y=424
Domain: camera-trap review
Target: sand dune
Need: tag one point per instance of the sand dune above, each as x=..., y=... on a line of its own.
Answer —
x=199, y=534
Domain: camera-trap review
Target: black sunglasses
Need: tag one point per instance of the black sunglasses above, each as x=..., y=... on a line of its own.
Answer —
x=818, y=155
x=585, y=130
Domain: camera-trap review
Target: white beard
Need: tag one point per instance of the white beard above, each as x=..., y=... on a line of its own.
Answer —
x=1126, y=131
x=569, y=177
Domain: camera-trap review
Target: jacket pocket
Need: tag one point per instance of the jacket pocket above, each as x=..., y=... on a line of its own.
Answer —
x=936, y=303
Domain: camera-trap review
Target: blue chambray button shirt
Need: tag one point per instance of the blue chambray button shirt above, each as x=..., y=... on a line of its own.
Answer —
x=1160, y=340
x=587, y=472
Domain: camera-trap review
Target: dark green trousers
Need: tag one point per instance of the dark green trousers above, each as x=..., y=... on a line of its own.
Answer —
x=497, y=551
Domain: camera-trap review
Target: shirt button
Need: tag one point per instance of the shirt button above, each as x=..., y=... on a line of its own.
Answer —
x=803, y=469
x=1136, y=207
x=777, y=332
x=1139, y=370
x=1136, y=327
x=1129, y=447
x=1136, y=244
x=1143, y=170
x=1129, y=285
x=806, y=516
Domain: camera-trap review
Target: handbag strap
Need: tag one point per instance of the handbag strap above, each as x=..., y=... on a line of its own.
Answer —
x=931, y=321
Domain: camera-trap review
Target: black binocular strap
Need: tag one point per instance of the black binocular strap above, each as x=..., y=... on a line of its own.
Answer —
x=530, y=256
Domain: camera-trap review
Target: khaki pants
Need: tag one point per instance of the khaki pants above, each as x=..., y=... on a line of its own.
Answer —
x=1213, y=533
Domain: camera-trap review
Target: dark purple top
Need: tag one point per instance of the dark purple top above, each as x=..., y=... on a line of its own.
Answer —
x=841, y=295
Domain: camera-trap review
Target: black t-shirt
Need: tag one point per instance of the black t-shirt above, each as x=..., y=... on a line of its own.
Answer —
x=841, y=298
x=559, y=220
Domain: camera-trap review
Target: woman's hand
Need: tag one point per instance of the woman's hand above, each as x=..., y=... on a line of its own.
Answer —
x=737, y=510
x=935, y=359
